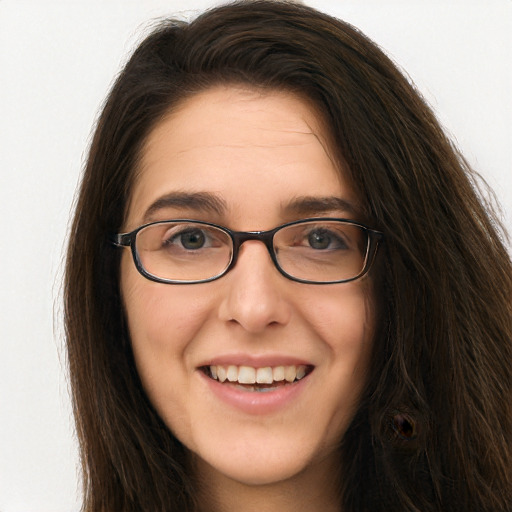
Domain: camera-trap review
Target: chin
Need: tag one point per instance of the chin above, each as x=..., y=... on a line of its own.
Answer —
x=259, y=462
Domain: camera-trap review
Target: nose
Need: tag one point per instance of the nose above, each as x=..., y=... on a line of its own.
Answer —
x=254, y=297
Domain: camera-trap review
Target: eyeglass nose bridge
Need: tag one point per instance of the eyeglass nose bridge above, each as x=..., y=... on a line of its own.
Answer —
x=240, y=237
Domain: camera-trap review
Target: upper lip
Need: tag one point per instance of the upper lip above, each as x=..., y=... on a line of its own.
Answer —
x=255, y=361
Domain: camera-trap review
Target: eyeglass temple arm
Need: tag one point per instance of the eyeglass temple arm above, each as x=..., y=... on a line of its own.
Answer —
x=121, y=239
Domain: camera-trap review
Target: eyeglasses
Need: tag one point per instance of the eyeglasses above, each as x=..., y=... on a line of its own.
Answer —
x=316, y=251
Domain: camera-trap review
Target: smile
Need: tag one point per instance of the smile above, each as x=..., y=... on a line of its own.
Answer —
x=257, y=379
x=258, y=390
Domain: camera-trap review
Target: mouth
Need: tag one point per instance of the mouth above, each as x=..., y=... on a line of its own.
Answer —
x=264, y=379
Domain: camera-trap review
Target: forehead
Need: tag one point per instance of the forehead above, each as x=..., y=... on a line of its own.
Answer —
x=243, y=145
x=234, y=117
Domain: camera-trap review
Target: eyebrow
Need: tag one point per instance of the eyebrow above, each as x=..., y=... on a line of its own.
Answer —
x=310, y=205
x=199, y=201
x=207, y=202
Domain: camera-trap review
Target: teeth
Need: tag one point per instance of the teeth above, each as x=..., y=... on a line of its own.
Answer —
x=246, y=375
x=264, y=375
x=250, y=375
x=221, y=373
x=301, y=372
x=290, y=373
x=278, y=373
x=232, y=373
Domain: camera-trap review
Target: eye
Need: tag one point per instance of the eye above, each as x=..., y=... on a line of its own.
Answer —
x=322, y=239
x=190, y=239
x=319, y=240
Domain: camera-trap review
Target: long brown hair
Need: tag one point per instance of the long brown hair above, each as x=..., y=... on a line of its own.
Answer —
x=434, y=428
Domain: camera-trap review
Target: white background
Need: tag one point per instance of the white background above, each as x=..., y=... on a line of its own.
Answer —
x=57, y=60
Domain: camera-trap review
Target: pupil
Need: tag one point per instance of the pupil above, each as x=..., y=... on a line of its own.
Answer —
x=192, y=240
x=319, y=240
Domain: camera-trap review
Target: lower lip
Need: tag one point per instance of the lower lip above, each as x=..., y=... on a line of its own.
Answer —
x=256, y=402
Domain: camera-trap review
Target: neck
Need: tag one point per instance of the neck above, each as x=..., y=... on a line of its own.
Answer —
x=314, y=489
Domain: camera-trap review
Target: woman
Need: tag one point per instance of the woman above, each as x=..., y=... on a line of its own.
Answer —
x=358, y=358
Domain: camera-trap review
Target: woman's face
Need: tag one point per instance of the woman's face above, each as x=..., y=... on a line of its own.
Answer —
x=262, y=160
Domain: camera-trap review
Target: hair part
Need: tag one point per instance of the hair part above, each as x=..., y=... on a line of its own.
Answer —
x=434, y=428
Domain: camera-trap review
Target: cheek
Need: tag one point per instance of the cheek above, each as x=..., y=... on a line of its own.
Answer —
x=159, y=313
x=163, y=321
x=344, y=315
x=344, y=318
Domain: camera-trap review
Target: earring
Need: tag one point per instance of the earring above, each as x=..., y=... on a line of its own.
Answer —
x=404, y=426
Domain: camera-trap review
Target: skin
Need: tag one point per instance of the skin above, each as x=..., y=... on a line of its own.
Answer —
x=255, y=152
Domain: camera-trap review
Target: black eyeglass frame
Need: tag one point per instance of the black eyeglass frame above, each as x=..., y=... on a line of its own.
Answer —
x=239, y=237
